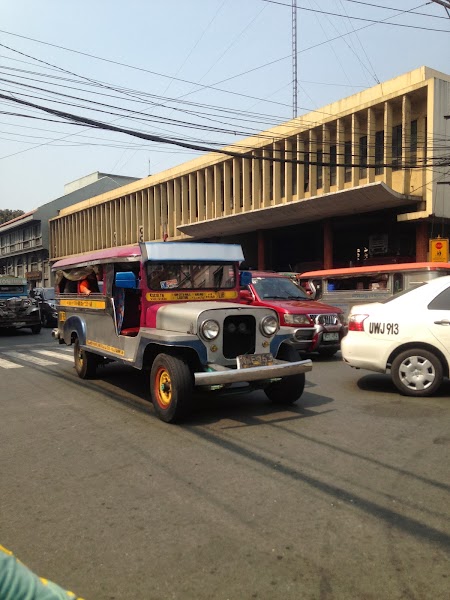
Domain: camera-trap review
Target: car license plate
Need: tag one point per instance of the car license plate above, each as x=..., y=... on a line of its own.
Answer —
x=245, y=361
x=330, y=337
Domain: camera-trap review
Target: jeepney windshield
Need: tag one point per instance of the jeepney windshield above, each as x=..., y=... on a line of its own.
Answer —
x=190, y=276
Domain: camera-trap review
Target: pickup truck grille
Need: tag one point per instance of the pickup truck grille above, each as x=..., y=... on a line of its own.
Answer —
x=239, y=333
x=325, y=319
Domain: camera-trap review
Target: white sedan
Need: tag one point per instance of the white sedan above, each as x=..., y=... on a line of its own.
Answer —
x=408, y=334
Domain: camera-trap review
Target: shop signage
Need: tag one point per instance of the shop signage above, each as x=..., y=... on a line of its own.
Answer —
x=33, y=275
x=439, y=250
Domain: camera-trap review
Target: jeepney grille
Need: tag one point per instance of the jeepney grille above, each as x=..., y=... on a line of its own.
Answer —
x=325, y=319
x=239, y=333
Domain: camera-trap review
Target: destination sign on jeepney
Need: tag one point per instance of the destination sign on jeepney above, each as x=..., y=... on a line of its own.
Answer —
x=12, y=281
x=183, y=296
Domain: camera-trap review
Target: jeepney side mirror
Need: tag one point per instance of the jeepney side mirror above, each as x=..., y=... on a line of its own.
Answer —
x=126, y=279
x=245, y=278
x=245, y=296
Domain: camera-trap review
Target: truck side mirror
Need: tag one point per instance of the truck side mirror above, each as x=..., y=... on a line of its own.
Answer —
x=245, y=296
x=126, y=279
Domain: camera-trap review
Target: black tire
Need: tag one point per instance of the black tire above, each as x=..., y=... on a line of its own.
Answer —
x=44, y=320
x=417, y=372
x=328, y=352
x=289, y=389
x=171, y=385
x=85, y=362
x=36, y=329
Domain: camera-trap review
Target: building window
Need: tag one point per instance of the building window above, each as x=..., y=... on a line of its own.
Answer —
x=413, y=143
x=306, y=170
x=363, y=157
x=319, y=179
x=348, y=161
x=379, y=152
x=333, y=161
x=396, y=147
x=294, y=157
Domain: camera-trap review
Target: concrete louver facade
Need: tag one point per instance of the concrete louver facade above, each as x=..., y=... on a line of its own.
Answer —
x=374, y=151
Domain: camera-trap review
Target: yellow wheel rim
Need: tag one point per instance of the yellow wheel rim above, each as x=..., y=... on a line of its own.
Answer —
x=163, y=387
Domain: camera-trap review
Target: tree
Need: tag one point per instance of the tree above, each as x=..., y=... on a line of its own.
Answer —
x=6, y=214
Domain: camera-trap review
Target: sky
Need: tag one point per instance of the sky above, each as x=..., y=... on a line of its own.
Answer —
x=204, y=72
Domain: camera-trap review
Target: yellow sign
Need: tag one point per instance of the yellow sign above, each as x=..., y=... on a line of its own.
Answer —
x=183, y=296
x=105, y=347
x=96, y=304
x=62, y=316
x=439, y=250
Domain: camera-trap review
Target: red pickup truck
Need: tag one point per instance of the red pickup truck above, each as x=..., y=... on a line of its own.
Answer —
x=296, y=309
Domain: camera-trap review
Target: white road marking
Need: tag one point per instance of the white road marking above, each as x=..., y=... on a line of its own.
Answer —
x=29, y=358
x=54, y=354
x=6, y=364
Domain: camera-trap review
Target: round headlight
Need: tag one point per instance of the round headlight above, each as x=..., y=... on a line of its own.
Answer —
x=269, y=326
x=210, y=329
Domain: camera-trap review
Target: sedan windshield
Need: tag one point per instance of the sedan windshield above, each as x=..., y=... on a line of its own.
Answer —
x=278, y=288
x=190, y=276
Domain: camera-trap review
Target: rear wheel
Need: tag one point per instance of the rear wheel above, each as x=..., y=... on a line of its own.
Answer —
x=171, y=384
x=417, y=372
x=85, y=362
x=288, y=389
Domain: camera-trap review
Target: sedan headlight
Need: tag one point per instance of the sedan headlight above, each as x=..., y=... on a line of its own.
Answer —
x=269, y=326
x=297, y=320
x=210, y=329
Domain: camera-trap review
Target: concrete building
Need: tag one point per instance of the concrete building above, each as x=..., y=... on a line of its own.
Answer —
x=356, y=180
x=24, y=241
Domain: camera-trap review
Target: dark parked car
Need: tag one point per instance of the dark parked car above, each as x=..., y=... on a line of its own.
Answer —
x=46, y=300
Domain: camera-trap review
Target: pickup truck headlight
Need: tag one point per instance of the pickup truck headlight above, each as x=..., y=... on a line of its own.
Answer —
x=210, y=329
x=269, y=326
x=297, y=320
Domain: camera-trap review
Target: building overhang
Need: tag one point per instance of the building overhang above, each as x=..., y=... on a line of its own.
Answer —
x=363, y=199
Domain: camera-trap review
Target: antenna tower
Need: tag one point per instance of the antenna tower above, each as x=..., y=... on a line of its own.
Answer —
x=294, y=58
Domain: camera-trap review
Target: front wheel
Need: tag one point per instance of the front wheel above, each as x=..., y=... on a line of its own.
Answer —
x=85, y=362
x=288, y=389
x=36, y=329
x=171, y=383
x=417, y=372
x=44, y=320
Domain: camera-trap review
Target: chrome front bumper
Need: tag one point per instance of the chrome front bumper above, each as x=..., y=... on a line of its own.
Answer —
x=223, y=375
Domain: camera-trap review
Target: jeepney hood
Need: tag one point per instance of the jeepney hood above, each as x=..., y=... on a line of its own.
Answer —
x=183, y=316
x=300, y=306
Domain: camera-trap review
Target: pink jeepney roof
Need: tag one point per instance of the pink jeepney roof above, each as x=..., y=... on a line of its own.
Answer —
x=99, y=255
x=349, y=271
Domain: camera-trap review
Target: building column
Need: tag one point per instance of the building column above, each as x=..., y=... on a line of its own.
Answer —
x=340, y=154
x=371, y=130
x=355, y=150
x=261, y=253
x=387, y=155
x=422, y=241
x=327, y=245
x=326, y=159
x=406, y=143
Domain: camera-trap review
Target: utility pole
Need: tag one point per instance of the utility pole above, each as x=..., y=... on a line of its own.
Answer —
x=294, y=58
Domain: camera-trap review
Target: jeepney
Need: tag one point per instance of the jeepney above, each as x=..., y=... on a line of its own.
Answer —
x=17, y=310
x=172, y=308
x=361, y=285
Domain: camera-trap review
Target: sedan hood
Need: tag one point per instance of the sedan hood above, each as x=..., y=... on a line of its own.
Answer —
x=302, y=306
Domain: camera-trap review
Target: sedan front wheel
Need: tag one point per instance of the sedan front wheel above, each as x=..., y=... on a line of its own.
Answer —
x=417, y=372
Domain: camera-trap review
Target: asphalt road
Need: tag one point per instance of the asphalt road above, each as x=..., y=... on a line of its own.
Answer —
x=343, y=496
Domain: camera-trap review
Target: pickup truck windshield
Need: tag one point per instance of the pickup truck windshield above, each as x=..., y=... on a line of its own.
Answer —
x=278, y=288
x=190, y=276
